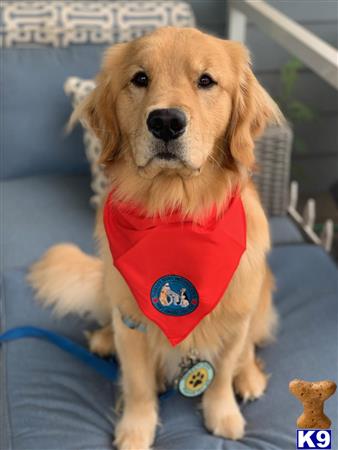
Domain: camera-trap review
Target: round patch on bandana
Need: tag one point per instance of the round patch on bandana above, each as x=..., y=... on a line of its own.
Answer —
x=196, y=380
x=174, y=295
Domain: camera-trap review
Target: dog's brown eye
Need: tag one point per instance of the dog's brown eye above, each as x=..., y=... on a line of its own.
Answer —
x=205, y=81
x=140, y=79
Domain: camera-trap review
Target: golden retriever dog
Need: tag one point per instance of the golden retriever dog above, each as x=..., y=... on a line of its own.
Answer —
x=217, y=109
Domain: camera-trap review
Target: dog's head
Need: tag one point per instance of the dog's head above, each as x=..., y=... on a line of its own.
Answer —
x=176, y=105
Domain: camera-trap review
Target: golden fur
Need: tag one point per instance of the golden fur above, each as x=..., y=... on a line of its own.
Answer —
x=217, y=158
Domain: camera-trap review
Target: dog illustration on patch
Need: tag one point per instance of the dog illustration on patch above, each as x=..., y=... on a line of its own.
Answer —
x=184, y=302
x=168, y=296
x=164, y=295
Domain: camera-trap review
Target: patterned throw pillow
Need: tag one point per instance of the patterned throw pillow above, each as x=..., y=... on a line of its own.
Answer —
x=62, y=23
x=78, y=89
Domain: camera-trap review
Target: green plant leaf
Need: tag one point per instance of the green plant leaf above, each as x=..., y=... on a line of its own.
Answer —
x=299, y=146
x=289, y=76
x=298, y=111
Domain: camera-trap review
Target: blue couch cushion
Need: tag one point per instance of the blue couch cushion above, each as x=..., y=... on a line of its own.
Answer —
x=44, y=210
x=52, y=401
x=37, y=212
x=284, y=231
x=35, y=109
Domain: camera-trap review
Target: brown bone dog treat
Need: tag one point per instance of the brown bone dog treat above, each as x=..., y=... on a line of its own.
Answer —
x=313, y=395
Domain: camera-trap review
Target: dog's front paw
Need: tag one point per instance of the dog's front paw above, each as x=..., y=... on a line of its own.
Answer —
x=229, y=425
x=251, y=382
x=101, y=341
x=222, y=416
x=136, y=432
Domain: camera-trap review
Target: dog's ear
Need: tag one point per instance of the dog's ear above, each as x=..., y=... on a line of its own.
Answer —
x=98, y=110
x=252, y=108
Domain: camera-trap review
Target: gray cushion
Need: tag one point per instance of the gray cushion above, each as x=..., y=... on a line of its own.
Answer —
x=36, y=109
x=40, y=211
x=284, y=231
x=54, y=402
x=43, y=210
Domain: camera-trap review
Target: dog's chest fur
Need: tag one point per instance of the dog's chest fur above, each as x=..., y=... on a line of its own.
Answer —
x=171, y=359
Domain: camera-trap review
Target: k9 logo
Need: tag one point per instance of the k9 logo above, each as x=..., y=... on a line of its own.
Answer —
x=315, y=439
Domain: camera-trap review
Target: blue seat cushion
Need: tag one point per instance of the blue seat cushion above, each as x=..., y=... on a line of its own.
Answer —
x=52, y=401
x=39, y=211
x=284, y=231
x=37, y=110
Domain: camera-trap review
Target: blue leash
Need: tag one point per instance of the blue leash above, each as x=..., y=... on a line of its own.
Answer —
x=107, y=368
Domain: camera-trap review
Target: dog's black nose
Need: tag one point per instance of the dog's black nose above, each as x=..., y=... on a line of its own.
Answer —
x=167, y=124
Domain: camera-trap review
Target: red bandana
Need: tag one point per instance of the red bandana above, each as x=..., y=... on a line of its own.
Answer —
x=177, y=270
